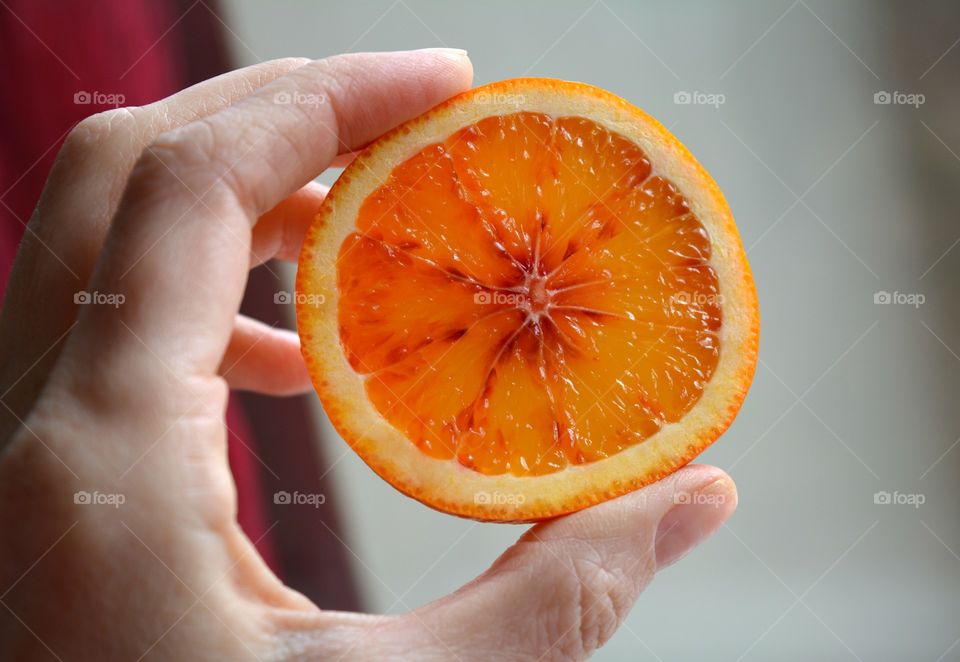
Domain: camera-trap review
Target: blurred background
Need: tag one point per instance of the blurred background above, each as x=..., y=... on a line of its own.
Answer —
x=833, y=130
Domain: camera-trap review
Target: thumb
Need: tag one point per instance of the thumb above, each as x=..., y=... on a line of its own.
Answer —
x=563, y=589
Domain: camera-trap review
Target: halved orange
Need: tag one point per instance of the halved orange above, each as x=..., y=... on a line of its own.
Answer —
x=528, y=300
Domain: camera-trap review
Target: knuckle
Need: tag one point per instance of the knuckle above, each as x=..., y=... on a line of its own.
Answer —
x=595, y=598
x=179, y=151
x=329, y=80
x=603, y=603
x=290, y=62
x=103, y=130
x=180, y=161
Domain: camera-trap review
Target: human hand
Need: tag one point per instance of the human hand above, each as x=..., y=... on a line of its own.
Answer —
x=168, y=206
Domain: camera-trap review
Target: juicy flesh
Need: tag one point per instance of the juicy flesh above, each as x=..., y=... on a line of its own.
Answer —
x=529, y=295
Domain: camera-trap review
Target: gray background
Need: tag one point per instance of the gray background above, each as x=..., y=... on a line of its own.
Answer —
x=837, y=198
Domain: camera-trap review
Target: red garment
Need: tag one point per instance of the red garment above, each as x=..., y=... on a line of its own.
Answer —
x=58, y=55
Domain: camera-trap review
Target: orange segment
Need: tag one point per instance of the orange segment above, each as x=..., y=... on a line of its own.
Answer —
x=618, y=272
x=590, y=170
x=394, y=303
x=430, y=394
x=507, y=436
x=526, y=303
x=421, y=210
x=498, y=163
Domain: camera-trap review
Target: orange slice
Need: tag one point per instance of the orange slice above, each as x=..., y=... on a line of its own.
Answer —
x=528, y=300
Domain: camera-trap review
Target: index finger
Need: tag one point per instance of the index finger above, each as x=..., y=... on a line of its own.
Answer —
x=177, y=253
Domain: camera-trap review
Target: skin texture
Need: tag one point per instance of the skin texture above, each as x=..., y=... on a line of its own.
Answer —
x=169, y=205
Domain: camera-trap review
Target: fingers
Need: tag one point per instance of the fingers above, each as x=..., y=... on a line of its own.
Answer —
x=63, y=240
x=178, y=251
x=261, y=358
x=279, y=233
x=98, y=155
x=565, y=587
x=264, y=359
x=86, y=182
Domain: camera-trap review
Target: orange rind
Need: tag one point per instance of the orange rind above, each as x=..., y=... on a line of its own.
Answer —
x=526, y=301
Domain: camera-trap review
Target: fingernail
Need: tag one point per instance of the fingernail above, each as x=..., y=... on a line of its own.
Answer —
x=455, y=53
x=693, y=519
